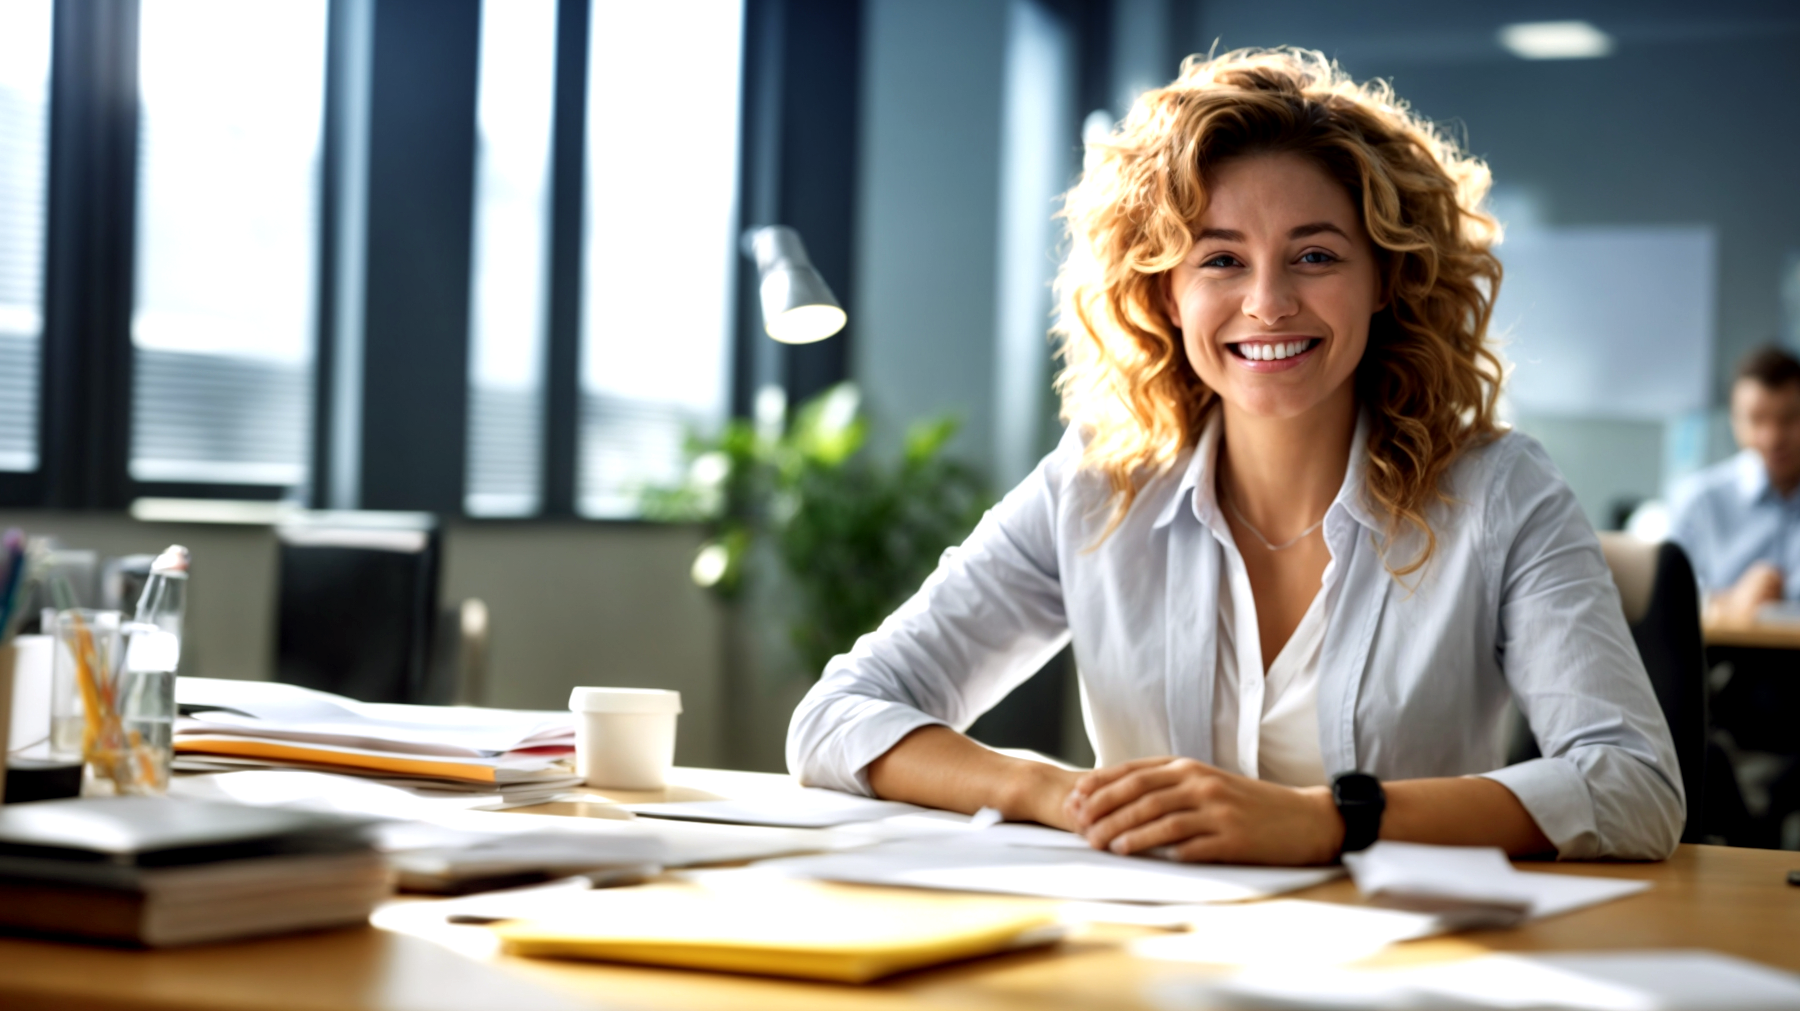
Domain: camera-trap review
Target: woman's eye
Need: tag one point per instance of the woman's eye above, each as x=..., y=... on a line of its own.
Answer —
x=1222, y=260
x=1317, y=256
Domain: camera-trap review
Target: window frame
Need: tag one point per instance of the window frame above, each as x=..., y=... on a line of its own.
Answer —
x=87, y=371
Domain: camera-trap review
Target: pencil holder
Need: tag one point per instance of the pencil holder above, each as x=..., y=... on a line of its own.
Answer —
x=94, y=707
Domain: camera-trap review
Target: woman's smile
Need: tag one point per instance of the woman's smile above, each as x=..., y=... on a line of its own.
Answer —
x=1274, y=354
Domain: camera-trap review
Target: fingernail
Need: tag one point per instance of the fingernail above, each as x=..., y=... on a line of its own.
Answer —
x=1118, y=846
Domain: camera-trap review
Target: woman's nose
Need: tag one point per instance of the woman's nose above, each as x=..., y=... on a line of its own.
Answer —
x=1271, y=298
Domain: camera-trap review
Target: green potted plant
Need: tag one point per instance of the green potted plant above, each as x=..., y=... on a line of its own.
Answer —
x=853, y=535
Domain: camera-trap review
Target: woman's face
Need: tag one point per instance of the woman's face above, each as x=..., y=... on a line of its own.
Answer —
x=1275, y=299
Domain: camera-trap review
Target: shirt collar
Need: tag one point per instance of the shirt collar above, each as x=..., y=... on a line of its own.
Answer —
x=1752, y=477
x=1199, y=490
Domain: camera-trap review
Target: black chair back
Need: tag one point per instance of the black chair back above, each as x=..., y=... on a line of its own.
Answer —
x=1667, y=632
x=358, y=607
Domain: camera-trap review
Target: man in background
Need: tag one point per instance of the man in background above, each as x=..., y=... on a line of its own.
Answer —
x=1739, y=520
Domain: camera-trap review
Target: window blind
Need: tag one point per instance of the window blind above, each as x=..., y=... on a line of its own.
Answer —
x=509, y=276
x=660, y=244
x=24, y=118
x=229, y=161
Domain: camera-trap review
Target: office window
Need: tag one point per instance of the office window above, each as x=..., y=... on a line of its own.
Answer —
x=508, y=281
x=660, y=243
x=227, y=243
x=24, y=108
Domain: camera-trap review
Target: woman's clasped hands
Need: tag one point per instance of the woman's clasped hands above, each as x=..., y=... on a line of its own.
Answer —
x=1195, y=812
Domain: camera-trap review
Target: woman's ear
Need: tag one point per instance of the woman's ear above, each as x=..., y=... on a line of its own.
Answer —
x=1165, y=286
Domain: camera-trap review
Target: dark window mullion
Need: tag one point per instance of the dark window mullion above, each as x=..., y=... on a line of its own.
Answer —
x=90, y=235
x=562, y=373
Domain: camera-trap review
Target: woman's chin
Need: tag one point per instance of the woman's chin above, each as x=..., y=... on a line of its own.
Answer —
x=1273, y=404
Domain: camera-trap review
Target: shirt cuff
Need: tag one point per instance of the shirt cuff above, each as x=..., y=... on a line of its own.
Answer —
x=874, y=733
x=1555, y=794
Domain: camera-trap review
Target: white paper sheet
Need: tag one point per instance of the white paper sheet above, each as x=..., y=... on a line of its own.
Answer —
x=1084, y=874
x=1287, y=932
x=1574, y=981
x=1474, y=885
x=807, y=807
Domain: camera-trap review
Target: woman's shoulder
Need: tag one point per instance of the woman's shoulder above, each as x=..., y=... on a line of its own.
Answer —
x=1086, y=495
x=1505, y=475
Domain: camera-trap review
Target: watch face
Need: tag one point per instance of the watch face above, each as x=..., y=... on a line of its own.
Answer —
x=1356, y=788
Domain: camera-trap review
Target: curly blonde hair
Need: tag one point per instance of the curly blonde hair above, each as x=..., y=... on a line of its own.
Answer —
x=1429, y=379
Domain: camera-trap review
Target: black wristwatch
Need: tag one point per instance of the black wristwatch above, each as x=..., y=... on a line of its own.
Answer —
x=1360, y=802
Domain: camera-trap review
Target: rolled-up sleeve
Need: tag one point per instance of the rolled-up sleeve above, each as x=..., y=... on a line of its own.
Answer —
x=988, y=618
x=1608, y=784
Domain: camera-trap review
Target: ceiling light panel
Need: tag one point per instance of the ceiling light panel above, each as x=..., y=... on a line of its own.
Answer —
x=1555, y=40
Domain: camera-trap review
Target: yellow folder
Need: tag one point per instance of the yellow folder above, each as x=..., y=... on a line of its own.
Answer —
x=789, y=928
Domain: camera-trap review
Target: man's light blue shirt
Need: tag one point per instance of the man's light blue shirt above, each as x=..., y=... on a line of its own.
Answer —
x=1729, y=516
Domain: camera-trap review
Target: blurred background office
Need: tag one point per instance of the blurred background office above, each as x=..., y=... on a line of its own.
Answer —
x=472, y=270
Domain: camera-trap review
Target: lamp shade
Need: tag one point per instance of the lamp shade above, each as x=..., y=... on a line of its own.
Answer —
x=797, y=306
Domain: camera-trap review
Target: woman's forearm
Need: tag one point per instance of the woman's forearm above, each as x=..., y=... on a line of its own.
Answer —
x=1464, y=811
x=938, y=767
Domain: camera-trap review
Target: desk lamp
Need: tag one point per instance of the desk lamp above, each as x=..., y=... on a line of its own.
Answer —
x=797, y=306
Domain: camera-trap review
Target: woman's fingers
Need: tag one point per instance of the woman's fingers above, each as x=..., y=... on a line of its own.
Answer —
x=1120, y=792
x=1135, y=784
x=1153, y=804
x=1110, y=774
x=1178, y=829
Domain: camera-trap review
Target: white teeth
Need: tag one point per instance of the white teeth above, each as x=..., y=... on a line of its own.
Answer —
x=1262, y=352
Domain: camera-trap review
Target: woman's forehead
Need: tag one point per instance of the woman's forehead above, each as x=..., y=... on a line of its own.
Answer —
x=1275, y=194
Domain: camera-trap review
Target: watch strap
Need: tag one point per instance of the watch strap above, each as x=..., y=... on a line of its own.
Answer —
x=1360, y=803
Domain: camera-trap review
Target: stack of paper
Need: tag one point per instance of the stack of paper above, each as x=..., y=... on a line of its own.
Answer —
x=954, y=864
x=1473, y=886
x=462, y=841
x=239, y=724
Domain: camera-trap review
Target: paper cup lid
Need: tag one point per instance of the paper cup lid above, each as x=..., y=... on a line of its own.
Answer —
x=624, y=700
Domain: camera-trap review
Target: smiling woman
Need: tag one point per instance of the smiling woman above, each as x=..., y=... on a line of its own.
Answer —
x=1303, y=569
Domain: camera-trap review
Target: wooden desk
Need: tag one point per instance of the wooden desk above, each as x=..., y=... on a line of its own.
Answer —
x=1730, y=900
x=1755, y=635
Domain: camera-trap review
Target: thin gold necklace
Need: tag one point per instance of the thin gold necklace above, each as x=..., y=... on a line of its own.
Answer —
x=1284, y=545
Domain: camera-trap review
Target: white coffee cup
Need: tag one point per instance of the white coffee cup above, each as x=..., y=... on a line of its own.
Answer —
x=625, y=737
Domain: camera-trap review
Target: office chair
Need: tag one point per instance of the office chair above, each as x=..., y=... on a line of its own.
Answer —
x=358, y=607
x=1662, y=605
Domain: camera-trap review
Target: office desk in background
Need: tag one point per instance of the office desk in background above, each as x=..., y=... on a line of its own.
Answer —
x=1730, y=900
x=1752, y=635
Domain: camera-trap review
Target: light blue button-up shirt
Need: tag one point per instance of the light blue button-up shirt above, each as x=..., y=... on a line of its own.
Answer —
x=1414, y=678
x=1729, y=516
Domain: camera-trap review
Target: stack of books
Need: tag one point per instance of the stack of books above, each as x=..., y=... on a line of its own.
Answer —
x=163, y=871
x=228, y=725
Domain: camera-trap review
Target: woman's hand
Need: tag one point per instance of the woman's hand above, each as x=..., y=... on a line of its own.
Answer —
x=1203, y=814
